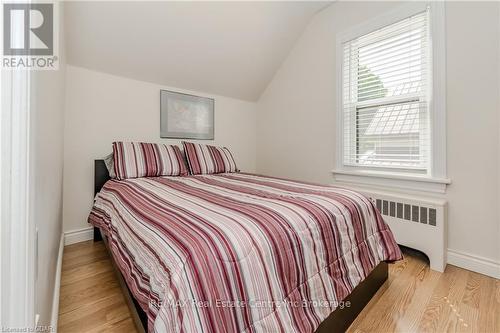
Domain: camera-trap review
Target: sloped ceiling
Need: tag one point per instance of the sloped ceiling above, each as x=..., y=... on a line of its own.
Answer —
x=226, y=48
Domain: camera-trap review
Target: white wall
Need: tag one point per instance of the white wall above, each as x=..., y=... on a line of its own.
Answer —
x=296, y=114
x=102, y=108
x=47, y=129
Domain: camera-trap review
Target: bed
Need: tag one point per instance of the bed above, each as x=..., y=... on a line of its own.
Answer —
x=240, y=252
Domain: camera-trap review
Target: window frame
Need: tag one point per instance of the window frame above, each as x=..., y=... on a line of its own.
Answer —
x=434, y=180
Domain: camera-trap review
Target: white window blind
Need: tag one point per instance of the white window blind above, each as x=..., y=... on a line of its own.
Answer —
x=385, y=97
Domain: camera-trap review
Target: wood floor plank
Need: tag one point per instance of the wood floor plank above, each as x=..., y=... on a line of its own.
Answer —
x=387, y=313
x=395, y=269
x=83, y=257
x=438, y=314
x=457, y=279
x=75, y=250
x=75, y=274
x=413, y=299
x=109, y=309
x=87, y=291
x=126, y=325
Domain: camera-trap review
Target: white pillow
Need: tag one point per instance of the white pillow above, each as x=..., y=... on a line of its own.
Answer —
x=110, y=165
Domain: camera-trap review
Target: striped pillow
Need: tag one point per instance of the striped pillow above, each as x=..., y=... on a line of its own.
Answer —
x=205, y=159
x=137, y=159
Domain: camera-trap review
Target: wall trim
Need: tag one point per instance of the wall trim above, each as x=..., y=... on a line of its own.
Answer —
x=78, y=235
x=57, y=285
x=474, y=263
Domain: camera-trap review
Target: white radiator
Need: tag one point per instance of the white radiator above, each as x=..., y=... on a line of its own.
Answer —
x=417, y=222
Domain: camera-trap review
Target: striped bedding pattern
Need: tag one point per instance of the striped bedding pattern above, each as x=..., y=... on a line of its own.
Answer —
x=139, y=159
x=205, y=159
x=240, y=252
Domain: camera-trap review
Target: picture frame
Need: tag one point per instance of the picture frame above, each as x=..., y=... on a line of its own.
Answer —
x=185, y=116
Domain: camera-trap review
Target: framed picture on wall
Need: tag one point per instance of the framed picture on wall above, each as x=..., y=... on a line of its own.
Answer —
x=184, y=116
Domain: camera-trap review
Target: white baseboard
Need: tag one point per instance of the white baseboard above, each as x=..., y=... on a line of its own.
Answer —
x=474, y=263
x=57, y=286
x=77, y=236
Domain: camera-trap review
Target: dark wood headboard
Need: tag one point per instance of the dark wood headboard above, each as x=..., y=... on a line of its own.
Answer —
x=101, y=175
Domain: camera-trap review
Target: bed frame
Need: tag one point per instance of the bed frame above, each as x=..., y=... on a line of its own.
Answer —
x=338, y=321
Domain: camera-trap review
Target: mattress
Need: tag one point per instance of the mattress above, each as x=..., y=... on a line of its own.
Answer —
x=240, y=252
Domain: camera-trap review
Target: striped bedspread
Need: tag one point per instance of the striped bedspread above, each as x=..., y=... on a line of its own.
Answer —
x=240, y=252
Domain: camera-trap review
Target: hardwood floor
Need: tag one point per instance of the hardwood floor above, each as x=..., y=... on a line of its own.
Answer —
x=414, y=299
x=91, y=299
x=417, y=299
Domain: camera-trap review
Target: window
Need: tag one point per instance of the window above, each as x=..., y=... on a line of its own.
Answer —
x=389, y=119
x=385, y=97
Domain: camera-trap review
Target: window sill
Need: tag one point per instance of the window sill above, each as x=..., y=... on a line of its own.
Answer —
x=392, y=180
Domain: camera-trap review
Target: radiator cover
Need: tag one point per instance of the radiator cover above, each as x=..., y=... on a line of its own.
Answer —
x=416, y=222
